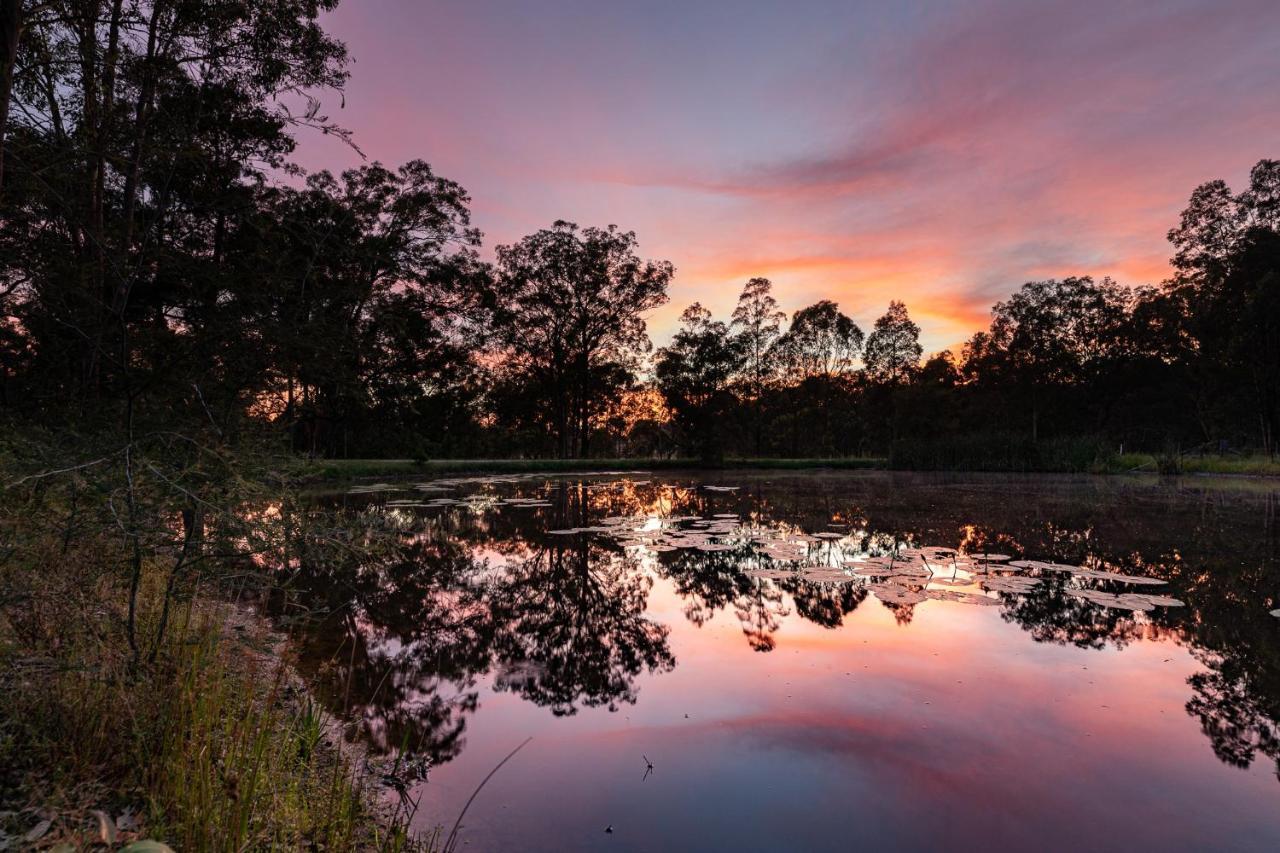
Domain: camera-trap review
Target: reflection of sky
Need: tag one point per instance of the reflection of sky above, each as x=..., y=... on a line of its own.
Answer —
x=938, y=152
x=957, y=730
x=875, y=735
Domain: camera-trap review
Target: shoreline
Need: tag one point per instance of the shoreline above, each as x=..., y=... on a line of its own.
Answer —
x=339, y=470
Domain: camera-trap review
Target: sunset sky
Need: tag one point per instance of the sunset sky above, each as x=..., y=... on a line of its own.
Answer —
x=940, y=153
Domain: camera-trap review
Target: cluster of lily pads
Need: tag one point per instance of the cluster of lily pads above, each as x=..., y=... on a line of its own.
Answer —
x=902, y=575
x=896, y=574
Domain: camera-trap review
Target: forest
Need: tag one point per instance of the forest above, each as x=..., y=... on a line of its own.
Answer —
x=167, y=267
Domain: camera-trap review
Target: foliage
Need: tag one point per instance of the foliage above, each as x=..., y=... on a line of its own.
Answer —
x=695, y=374
x=893, y=348
x=567, y=308
x=126, y=685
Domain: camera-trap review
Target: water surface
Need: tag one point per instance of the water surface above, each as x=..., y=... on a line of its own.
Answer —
x=787, y=696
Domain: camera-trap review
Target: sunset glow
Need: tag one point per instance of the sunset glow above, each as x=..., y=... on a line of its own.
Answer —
x=941, y=154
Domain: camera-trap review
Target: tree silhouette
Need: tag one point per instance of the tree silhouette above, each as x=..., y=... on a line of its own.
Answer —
x=568, y=310
x=893, y=350
x=760, y=325
x=695, y=374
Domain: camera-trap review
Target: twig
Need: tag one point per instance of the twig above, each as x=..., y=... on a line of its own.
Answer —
x=453, y=834
x=57, y=471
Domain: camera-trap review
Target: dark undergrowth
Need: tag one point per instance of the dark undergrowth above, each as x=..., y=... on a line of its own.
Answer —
x=139, y=707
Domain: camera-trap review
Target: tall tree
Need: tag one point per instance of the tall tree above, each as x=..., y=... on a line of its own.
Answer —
x=373, y=299
x=817, y=354
x=893, y=350
x=1049, y=336
x=759, y=325
x=821, y=342
x=12, y=18
x=1224, y=287
x=568, y=309
x=137, y=132
x=695, y=374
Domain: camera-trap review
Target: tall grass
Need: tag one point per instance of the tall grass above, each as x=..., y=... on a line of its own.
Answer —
x=214, y=747
x=136, y=701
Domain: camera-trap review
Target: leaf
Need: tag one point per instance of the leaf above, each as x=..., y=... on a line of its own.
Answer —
x=147, y=846
x=37, y=832
x=106, y=829
x=127, y=822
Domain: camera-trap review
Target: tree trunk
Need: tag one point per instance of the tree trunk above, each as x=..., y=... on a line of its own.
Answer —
x=10, y=33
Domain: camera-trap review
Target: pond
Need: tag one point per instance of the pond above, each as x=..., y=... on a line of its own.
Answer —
x=814, y=661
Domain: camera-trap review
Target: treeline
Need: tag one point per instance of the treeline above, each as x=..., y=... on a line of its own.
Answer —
x=164, y=263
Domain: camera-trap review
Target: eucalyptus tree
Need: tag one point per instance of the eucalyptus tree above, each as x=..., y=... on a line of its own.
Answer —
x=759, y=325
x=817, y=356
x=139, y=133
x=1048, y=337
x=892, y=354
x=821, y=342
x=568, y=310
x=696, y=374
x=1224, y=284
x=372, y=307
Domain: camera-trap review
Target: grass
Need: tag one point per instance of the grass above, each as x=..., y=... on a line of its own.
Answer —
x=198, y=735
x=1061, y=457
x=349, y=469
x=1252, y=466
x=213, y=747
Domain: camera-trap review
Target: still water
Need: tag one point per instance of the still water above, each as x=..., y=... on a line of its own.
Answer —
x=813, y=661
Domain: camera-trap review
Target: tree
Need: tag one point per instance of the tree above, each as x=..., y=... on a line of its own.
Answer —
x=760, y=324
x=817, y=355
x=893, y=350
x=1049, y=336
x=822, y=342
x=12, y=15
x=374, y=295
x=568, y=308
x=138, y=133
x=696, y=374
x=1224, y=288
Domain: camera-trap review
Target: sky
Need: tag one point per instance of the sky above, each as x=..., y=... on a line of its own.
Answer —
x=941, y=153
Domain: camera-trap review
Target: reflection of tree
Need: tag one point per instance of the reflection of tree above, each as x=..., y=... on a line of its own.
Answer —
x=824, y=604
x=1237, y=697
x=576, y=614
x=706, y=582
x=1237, y=718
x=401, y=647
x=1052, y=616
x=562, y=621
x=760, y=611
x=415, y=620
x=712, y=581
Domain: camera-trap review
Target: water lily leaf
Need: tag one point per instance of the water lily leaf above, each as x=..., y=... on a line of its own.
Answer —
x=106, y=827
x=38, y=831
